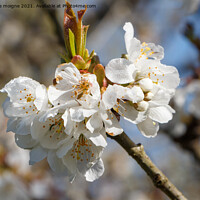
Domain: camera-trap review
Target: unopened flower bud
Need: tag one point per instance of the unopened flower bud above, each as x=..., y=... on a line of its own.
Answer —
x=148, y=96
x=146, y=84
x=141, y=106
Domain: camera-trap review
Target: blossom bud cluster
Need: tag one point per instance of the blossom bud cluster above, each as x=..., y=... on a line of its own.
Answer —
x=68, y=122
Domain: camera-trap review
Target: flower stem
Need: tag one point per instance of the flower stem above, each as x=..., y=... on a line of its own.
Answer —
x=136, y=151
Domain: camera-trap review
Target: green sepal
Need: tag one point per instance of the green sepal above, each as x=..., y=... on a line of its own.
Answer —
x=99, y=71
x=94, y=61
x=78, y=62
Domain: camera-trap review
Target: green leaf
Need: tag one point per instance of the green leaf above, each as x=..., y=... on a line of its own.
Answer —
x=72, y=43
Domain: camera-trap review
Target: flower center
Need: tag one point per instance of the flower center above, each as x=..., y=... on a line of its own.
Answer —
x=81, y=149
x=82, y=88
x=56, y=127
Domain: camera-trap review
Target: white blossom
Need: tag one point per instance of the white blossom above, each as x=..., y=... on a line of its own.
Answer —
x=26, y=98
x=70, y=84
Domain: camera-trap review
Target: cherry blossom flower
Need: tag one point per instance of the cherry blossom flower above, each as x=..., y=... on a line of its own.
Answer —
x=141, y=63
x=82, y=155
x=70, y=84
x=157, y=111
x=155, y=84
x=26, y=98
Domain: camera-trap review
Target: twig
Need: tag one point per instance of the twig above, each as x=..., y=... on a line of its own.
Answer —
x=158, y=178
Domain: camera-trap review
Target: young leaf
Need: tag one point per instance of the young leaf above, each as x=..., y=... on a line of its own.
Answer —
x=72, y=43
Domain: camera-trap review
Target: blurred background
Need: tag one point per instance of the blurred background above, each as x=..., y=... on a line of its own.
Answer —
x=30, y=43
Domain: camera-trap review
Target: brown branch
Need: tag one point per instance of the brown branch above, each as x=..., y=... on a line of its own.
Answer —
x=158, y=178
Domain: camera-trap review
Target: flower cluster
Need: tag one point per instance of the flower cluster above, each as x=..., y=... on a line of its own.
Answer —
x=67, y=122
x=142, y=86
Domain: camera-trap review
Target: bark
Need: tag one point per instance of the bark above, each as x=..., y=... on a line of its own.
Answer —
x=136, y=151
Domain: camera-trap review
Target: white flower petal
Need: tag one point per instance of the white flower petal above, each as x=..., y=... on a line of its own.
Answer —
x=78, y=114
x=18, y=110
x=57, y=97
x=132, y=44
x=25, y=141
x=56, y=164
x=19, y=87
x=49, y=133
x=66, y=146
x=161, y=96
x=129, y=33
x=69, y=74
x=156, y=51
x=94, y=124
x=120, y=71
x=134, y=94
x=41, y=101
x=109, y=97
x=70, y=163
x=99, y=140
x=126, y=110
x=95, y=171
x=161, y=114
x=112, y=125
x=166, y=76
x=20, y=126
x=148, y=128
x=52, y=112
x=68, y=123
x=37, y=154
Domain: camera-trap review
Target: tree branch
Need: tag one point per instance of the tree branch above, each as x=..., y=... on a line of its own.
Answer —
x=158, y=178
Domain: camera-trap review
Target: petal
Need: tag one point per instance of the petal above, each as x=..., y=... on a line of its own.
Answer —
x=132, y=44
x=41, y=101
x=56, y=164
x=99, y=140
x=78, y=114
x=68, y=75
x=129, y=33
x=120, y=71
x=49, y=133
x=126, y=110
x=161, y=96
x=70, y=163
x=20, y=87
x=111, y=123
x=66, y=146
x=89, y=101
x=156, y=51
x=109, y=97
x=25, y=141
x=95, y=171
x=20, y=126
x=134, y=94
x=148, y=128
x=94, y=124
x=37, y=154
x=52, y=112
x=166, y=76
x=161, y=114
x=68, y=123
x=57, y=97
x=18, y=110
